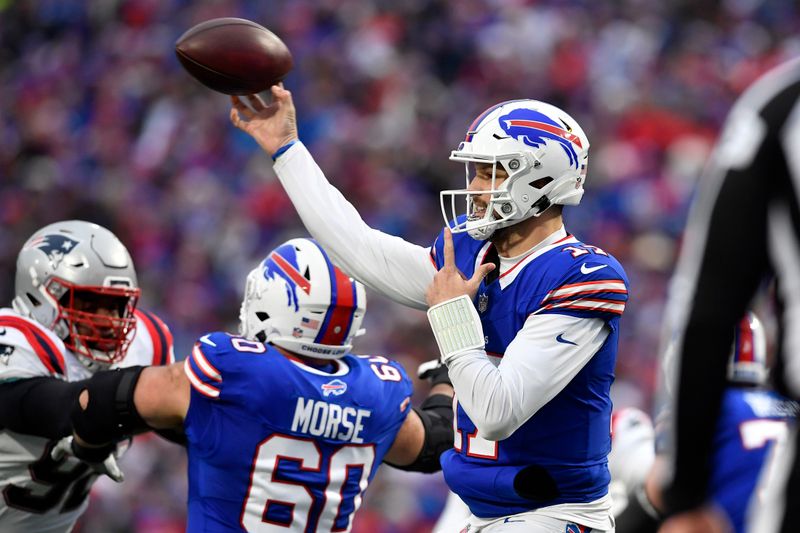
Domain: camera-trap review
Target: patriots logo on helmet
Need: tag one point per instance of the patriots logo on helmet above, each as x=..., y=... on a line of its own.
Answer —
x=55, y=247
x=337, y=387
x=534, y=128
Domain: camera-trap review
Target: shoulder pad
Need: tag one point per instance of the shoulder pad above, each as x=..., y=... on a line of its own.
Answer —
x=27, y=349
x=591, y=284
x=159, y=334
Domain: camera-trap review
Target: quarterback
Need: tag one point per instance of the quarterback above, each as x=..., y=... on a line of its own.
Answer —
x=526, y=315
x=285, y=427
x=74, y=314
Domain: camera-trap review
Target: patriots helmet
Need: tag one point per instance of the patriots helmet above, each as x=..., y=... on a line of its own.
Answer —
x=298, y=300
x=77, y=279
x=543, y=150
x=748, y=359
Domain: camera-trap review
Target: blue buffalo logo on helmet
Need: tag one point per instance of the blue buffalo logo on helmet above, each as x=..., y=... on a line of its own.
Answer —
x=337, y=387
x=283, y=262
x=534, y=128
x=54, y=246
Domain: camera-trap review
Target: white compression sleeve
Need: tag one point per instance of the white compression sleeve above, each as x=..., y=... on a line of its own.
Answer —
x=390, y=265
x=534, y=368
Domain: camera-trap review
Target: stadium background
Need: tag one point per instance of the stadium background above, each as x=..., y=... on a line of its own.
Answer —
x=99, y=122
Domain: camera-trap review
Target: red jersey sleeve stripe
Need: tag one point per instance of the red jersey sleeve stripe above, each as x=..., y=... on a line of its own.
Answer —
x=45, y=349
x=203, y=388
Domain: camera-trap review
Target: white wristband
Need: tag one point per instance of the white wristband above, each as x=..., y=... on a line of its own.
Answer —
x=456, y=327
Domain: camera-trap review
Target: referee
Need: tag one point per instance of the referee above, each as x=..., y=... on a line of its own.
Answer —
x=743, y=227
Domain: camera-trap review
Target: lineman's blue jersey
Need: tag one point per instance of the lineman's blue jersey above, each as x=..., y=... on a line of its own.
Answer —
x=275, y=444
x=751, y=422
x=569, y=437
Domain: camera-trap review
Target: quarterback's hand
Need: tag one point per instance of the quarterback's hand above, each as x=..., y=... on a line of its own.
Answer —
x=449, y=282
x=272, y=125
x=101, y=460
x=435, y=371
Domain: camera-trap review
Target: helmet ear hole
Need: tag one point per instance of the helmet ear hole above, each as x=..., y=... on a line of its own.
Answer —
x=307, y=274
x=34, y=301
x=262, y=316
x=541, y=182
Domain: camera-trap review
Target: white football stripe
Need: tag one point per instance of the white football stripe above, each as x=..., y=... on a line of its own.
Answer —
x=588, y=287
x=201, y=387
x=207, y=368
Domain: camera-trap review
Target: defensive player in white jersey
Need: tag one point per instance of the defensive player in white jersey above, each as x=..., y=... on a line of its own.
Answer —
x=74, y=313
x=530, y=348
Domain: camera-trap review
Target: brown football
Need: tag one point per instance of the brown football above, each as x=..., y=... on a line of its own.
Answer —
x=233, y=56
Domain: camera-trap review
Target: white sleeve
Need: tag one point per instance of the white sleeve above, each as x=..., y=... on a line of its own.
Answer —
x=390, y=265
x=534, y=369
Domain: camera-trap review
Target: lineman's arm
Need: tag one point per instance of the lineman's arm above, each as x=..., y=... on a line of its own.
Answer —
x=162, y=396
x=390, y=265
x=425, y=433
x=36, y=406
x=119, y=403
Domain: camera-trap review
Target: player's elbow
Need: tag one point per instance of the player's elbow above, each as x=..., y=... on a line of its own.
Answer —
x=495, y=430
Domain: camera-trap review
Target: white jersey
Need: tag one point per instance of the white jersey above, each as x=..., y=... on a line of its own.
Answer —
x=40, y=494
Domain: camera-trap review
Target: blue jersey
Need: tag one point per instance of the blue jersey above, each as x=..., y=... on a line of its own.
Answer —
x=275, y=444
x=569, y=437
x=751, y=422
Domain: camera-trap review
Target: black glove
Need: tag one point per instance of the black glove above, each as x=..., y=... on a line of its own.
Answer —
x=435, y=371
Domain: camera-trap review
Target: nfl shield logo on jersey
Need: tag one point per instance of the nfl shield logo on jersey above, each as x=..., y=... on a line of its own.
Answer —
x=483, y=302
x=337, y=387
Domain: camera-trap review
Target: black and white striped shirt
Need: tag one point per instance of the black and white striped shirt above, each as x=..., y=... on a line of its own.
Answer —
x=744, y=225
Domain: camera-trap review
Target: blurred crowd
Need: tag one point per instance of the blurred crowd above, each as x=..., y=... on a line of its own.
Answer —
x=99, y=122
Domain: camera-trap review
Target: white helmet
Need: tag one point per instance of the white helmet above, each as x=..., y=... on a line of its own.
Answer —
x=532, y=141
x=66, y=272
x=748, y=359
x=298, y=300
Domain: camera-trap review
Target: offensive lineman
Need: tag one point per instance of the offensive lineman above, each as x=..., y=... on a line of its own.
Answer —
x=285, y=427
x=531, y=347
x=74, y=314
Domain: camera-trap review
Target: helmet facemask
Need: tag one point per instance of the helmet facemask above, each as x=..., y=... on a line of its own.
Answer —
x=545, y=159
x=97, y=323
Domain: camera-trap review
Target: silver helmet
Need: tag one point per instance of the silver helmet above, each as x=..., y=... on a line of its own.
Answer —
x=77, y=279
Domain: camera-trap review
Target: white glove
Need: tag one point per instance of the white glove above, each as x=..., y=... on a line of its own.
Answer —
x=108, y=466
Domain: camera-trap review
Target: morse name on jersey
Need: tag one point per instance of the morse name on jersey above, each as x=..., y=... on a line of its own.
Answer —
x=329, y=420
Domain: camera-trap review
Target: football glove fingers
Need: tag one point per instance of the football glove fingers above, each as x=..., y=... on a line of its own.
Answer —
x=101, y=460
x=435, y=371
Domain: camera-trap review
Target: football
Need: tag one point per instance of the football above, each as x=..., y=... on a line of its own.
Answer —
x=233, y=56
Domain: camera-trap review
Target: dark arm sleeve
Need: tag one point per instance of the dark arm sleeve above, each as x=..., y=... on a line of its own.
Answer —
x=717, y=276
x=38, y=406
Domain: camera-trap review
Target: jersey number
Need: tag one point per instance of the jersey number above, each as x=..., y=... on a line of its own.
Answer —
x=285, y=469
x=380, y=365
x=477, y=446
x=757, y=434
x=58, y=480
